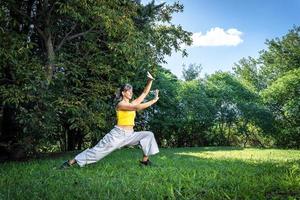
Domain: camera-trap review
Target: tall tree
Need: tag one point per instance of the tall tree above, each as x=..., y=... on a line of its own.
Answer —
x=283, y=97
x=281, y=55
x=197, y=114
x=191, y=72
x=238, y=106
x=247, y=70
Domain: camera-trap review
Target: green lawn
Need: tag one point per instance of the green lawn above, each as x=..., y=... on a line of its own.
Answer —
x=181, y=173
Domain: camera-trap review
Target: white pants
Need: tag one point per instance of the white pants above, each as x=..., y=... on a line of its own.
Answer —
x=116, y=139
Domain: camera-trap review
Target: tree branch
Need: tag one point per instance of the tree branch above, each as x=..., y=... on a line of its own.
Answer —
x=6, y=81
x=52, y=7
x=80, y=34
x=41, y=32
x=65, y=38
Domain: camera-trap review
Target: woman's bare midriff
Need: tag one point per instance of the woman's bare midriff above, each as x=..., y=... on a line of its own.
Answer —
x=129, y=128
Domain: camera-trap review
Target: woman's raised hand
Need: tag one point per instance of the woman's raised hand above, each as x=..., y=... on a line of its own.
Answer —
x=150, y=76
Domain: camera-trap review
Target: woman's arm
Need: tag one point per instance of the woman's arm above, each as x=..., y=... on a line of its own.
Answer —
x=140, y=106
x=147, y=88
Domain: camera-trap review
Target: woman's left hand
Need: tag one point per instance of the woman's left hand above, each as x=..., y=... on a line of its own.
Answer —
x=150, y=76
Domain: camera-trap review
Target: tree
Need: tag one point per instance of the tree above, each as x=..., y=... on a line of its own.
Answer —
x=192, y=72
x=283, y=97
x=238, y=106
x=281, y=56
x=247, y=70
x=197, y=114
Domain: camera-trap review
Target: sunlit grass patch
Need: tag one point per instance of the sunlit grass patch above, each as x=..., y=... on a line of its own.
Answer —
x=248, y=154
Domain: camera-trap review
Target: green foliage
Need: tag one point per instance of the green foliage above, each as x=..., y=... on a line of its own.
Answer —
x=192, y=72
x=284, y=100
x=284, y=88
x=21, y=89
x=247, y=70
x=238, y=109
x=281, y=72
x=197, y=113
x=281, y=56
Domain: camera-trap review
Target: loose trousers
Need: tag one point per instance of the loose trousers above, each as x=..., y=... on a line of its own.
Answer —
x=116, y=139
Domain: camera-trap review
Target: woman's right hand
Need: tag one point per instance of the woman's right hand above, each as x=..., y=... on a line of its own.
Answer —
x=150, y=76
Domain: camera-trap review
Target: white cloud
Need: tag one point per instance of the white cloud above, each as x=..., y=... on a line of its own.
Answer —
x=217, y=37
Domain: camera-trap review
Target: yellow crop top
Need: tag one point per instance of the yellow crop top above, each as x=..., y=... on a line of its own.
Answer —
x=125, y=117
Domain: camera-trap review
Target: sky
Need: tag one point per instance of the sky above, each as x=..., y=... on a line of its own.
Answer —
x=225, y=31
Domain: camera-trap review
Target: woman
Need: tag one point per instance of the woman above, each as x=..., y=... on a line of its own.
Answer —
x=123, y=133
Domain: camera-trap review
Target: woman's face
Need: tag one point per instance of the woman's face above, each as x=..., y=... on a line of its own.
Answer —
x=127, y=94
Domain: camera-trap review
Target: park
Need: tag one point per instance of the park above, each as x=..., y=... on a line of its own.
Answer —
x=130, y=99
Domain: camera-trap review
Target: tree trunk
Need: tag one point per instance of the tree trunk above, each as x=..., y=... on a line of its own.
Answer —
x=50, y=57
x=66, y=140
x=246, y=141
x=79, y=139
x=245, y=132
x=71, y=140
x=229, y=133
x=9, y=129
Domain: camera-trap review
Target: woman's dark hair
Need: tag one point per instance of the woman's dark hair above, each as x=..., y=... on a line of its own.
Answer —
x=123, y=88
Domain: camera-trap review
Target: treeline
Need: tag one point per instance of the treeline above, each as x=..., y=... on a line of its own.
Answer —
x=62, y=62
x=258, y=104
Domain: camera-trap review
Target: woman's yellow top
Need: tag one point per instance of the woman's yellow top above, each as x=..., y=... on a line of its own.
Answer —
x=125, y=117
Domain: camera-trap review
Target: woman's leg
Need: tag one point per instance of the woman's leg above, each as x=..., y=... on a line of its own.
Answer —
x=147, y=141
x=113, y=140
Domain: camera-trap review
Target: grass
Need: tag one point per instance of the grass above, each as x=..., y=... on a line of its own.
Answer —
x=181, y=173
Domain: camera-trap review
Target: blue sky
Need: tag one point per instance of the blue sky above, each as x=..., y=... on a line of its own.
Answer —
x=227, y=30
